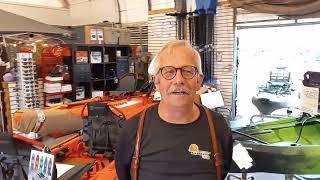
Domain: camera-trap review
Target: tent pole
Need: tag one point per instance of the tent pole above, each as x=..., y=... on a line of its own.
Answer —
x=4, y=41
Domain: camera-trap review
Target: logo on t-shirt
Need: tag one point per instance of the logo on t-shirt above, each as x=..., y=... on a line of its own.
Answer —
x=194, y=150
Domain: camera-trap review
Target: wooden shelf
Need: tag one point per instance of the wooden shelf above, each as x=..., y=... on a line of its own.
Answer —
x=95, y=80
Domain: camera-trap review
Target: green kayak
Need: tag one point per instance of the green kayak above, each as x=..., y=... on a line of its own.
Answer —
x=285, y=146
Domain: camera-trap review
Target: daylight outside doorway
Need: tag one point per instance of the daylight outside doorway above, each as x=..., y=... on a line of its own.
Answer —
x=266, y=52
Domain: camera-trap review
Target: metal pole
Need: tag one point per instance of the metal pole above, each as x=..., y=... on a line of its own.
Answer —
x=1, y=110
x=4, y=41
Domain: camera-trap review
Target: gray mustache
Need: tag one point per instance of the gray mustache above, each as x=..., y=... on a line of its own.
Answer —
x=179, y=90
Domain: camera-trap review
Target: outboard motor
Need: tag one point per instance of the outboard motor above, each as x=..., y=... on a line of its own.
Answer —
x=266, y=106
x=311, y=79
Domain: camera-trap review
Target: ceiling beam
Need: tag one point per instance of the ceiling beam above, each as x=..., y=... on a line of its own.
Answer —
x=65, y=3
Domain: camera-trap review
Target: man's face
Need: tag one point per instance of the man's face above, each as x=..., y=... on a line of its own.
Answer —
x=178, y=92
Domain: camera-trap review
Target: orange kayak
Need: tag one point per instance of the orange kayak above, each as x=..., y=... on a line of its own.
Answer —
x=73, y=147
x=71, y=115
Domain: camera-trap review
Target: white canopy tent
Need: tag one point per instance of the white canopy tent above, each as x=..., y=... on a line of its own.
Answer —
x=80, y=12
x=51, y=3
x=16, y=23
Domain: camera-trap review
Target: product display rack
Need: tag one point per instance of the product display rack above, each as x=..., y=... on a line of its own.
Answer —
x=95, y=68
x=49, y=63
x=28, y=85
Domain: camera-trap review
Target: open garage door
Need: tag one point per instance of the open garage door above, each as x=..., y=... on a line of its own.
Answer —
x=271, y=48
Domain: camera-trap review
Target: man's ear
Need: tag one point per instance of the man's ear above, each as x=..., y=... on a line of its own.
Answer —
x=199, y=81
x=156, y=82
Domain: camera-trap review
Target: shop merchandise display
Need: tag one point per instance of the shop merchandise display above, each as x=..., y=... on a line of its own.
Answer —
x=28, y=87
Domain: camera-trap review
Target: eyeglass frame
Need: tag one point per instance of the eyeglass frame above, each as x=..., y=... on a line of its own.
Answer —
x=176, y=70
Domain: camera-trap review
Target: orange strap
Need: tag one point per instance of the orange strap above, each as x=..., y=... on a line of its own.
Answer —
x=214, y=140
x=217, y=156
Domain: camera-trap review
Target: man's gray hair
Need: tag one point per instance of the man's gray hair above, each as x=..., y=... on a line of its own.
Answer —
x=154, y=65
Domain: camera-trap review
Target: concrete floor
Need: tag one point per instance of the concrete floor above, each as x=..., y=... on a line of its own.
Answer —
x=259, y=176
x=271, y=176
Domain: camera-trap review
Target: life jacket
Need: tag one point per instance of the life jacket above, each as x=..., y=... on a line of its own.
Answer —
x=101, y=130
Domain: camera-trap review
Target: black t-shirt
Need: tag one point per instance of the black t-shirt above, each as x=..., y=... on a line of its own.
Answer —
x=173, y=151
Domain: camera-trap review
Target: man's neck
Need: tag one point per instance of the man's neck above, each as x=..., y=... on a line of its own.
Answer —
x=178, y=115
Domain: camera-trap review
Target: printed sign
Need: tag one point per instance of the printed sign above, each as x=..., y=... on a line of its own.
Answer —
x=80, y=93
x=82, y=57
x=212, y=99
x=93, y=34
x=100, y=34
x=40, y=166
x=310, y=100
x=96, y=57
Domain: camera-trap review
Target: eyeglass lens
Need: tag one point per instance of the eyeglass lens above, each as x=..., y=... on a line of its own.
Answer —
x=187, y=72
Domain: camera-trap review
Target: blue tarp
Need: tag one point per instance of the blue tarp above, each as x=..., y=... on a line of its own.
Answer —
x=206, y=6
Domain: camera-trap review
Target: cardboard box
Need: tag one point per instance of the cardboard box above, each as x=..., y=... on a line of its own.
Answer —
x=66, y=87
x=52, y=87
x=111, y=35
x=94, y=35
x=124, y=38
x=54, y=100
x=116, y=36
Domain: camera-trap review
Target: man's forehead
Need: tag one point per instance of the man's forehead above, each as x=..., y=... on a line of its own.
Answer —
x=177, y=49
x=180, y=55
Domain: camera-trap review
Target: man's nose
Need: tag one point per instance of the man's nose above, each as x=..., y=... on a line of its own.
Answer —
x=178, y=78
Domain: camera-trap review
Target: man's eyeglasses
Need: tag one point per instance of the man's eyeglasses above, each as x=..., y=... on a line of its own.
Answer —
x=169, y=72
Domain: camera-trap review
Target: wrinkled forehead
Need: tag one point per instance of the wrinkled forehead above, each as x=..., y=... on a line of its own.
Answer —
x=177, y=56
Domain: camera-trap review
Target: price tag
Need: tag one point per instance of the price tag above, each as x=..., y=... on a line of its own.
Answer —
x=241, y=157
x=40, y=165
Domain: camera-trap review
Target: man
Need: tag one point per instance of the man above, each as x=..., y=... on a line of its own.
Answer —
x=176, y=141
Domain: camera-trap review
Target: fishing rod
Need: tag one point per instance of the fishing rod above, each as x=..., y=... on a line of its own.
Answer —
x=248, y=136
x=270, y=130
